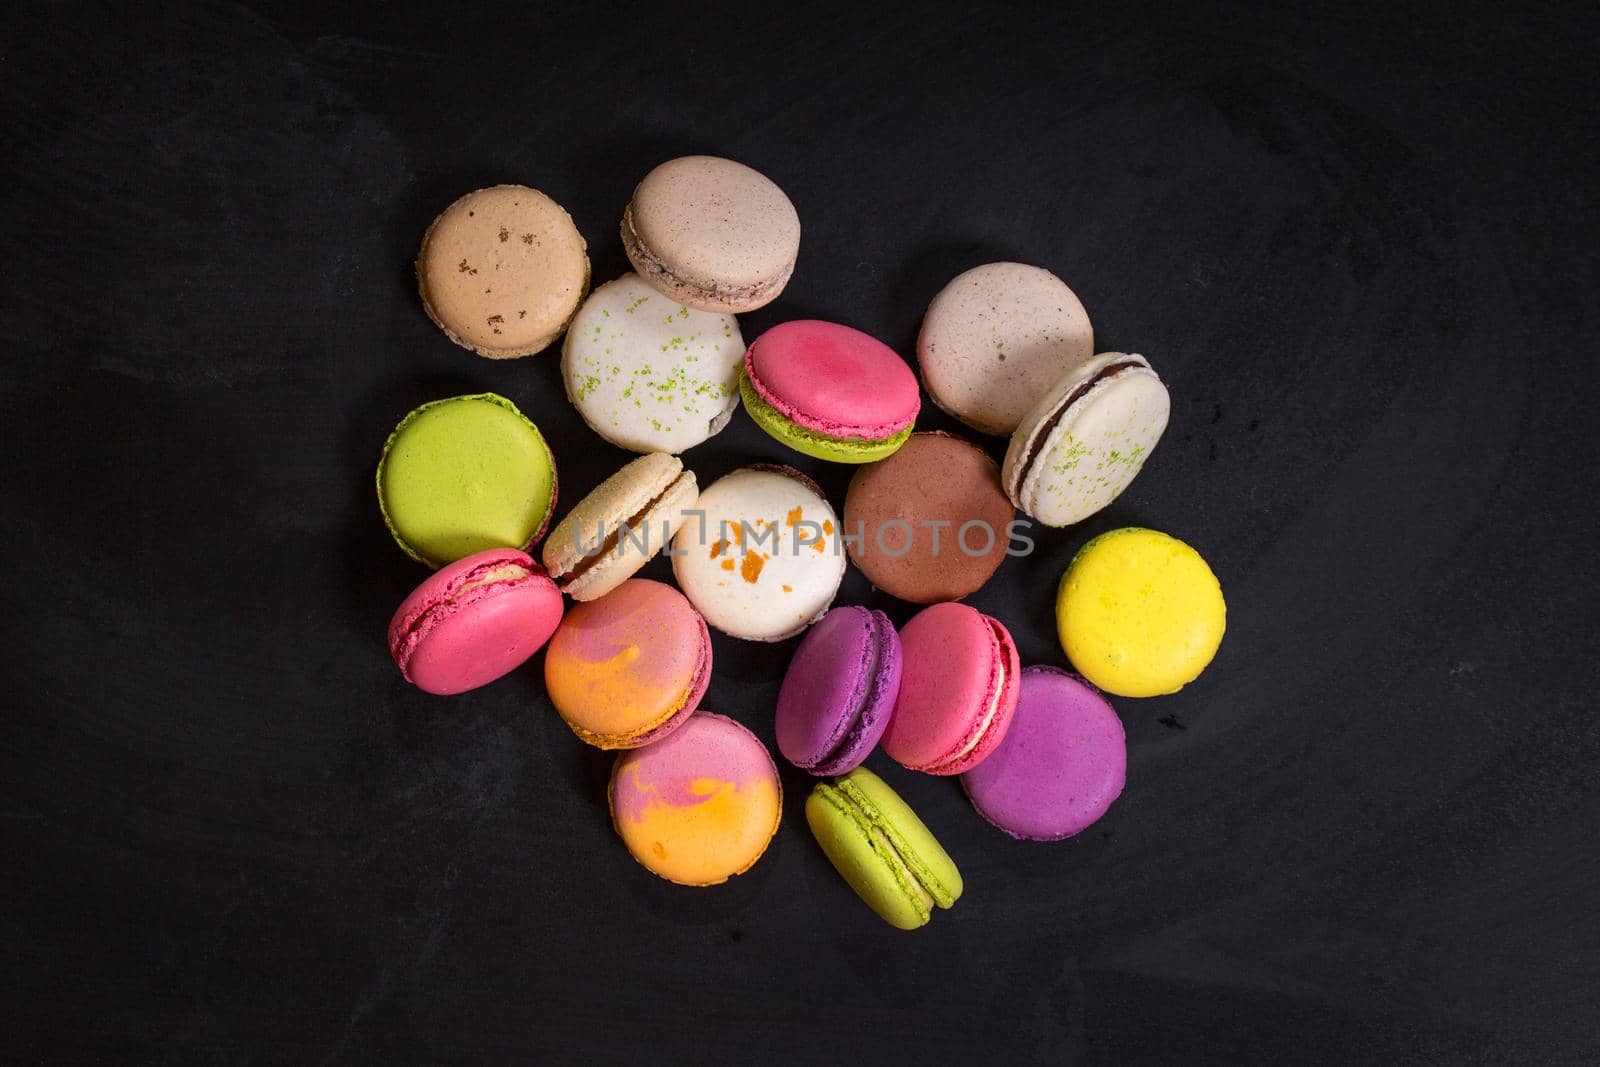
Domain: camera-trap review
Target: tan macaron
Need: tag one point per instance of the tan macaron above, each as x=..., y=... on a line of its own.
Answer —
x=588, y=554
x=502, y=271
x=712, y=234
x=996, y=339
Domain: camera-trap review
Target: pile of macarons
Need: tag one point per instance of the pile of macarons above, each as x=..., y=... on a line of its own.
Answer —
x=655, y=363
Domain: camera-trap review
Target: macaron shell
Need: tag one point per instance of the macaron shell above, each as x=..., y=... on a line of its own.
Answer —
x=586, y=552
x=699, y=806
x=502, y=270
x=996, y=339
x=474, y=621
x=779, y=582
x=958, y=690
x=464, y=474
x=649, y=374
x=1061, y=764
x=1094, y=449
x=712, y=233
x=833, y=380
x=811, y=443
x=621, y=667
x=933, y=478
x=839, y=691
x=1140, y=613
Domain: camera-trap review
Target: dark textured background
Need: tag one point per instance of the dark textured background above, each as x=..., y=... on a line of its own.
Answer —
x=1359, y=247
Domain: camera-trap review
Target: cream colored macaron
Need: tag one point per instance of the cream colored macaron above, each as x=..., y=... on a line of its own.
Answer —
x=1086, y=439
x=620, y=526
x=996, y=339
x=712, y=234
x=502, y=271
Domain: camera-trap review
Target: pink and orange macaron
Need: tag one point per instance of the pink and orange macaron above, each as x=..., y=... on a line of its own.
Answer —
x=958, y=690
x=700, y=806
x=829, y=391
x=473, y=621
x=631, y=667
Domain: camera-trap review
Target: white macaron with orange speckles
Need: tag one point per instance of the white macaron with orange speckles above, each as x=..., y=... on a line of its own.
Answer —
x=760, y=557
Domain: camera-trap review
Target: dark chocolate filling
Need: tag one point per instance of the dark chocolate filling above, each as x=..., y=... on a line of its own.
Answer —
x=1054, y=420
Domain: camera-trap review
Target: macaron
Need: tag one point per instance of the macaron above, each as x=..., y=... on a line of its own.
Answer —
x=712, y=234
x=1061, y=764
x=630, y=668
x=829, y=391
x=502, y=270
x=889, y=857
x=760, y=558
x=699, y=806
x=1087, y=439
x=620, y=526
x=474, y=621
x=996, y=339
x=958, y=690
x=649, y=374
x=934, y=522
x=839, y=691
x=1139, y=613
x=464, y=474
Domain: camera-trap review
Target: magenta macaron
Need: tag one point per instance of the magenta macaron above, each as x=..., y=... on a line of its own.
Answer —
x=958, y=690
x=829, y=391
x=1061, y=764
x=839, y=691
x=473, y=621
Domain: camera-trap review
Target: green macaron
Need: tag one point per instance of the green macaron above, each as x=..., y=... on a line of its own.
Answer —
x=465, y=474
x=882, y=849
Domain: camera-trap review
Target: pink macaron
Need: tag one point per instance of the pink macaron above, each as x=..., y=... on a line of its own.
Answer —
x=830, y=391
x=474, y=621
x=958, y=690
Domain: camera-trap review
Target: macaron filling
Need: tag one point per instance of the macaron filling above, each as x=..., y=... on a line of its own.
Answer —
x=915, y=877
x=647, y=262
x=473, y=586
x=1042, y=435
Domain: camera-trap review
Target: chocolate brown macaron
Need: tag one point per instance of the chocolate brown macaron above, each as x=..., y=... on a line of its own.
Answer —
x=502, y=271
x=933, y=519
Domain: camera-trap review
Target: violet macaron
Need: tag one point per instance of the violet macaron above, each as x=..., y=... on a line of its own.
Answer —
x=473, y=621
x=1059, y=767
x=958, y=690
x=839, y=691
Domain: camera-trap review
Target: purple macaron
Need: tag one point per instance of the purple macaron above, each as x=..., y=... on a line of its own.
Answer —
x=1061, y=764
x=839, y=692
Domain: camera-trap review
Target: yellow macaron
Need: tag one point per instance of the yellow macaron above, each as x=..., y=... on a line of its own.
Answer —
x=1139, y=613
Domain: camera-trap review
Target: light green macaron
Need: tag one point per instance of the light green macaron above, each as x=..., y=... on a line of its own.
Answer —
x=882, y=849
x=464, y=474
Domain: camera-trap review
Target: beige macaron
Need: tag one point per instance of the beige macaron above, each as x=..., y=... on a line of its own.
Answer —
x=1087, y=439
x=502, y=271
x=712, y=234
x=996, y=339
x=620, y=526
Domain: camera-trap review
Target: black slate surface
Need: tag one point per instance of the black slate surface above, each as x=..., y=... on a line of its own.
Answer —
x=1360, y=248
